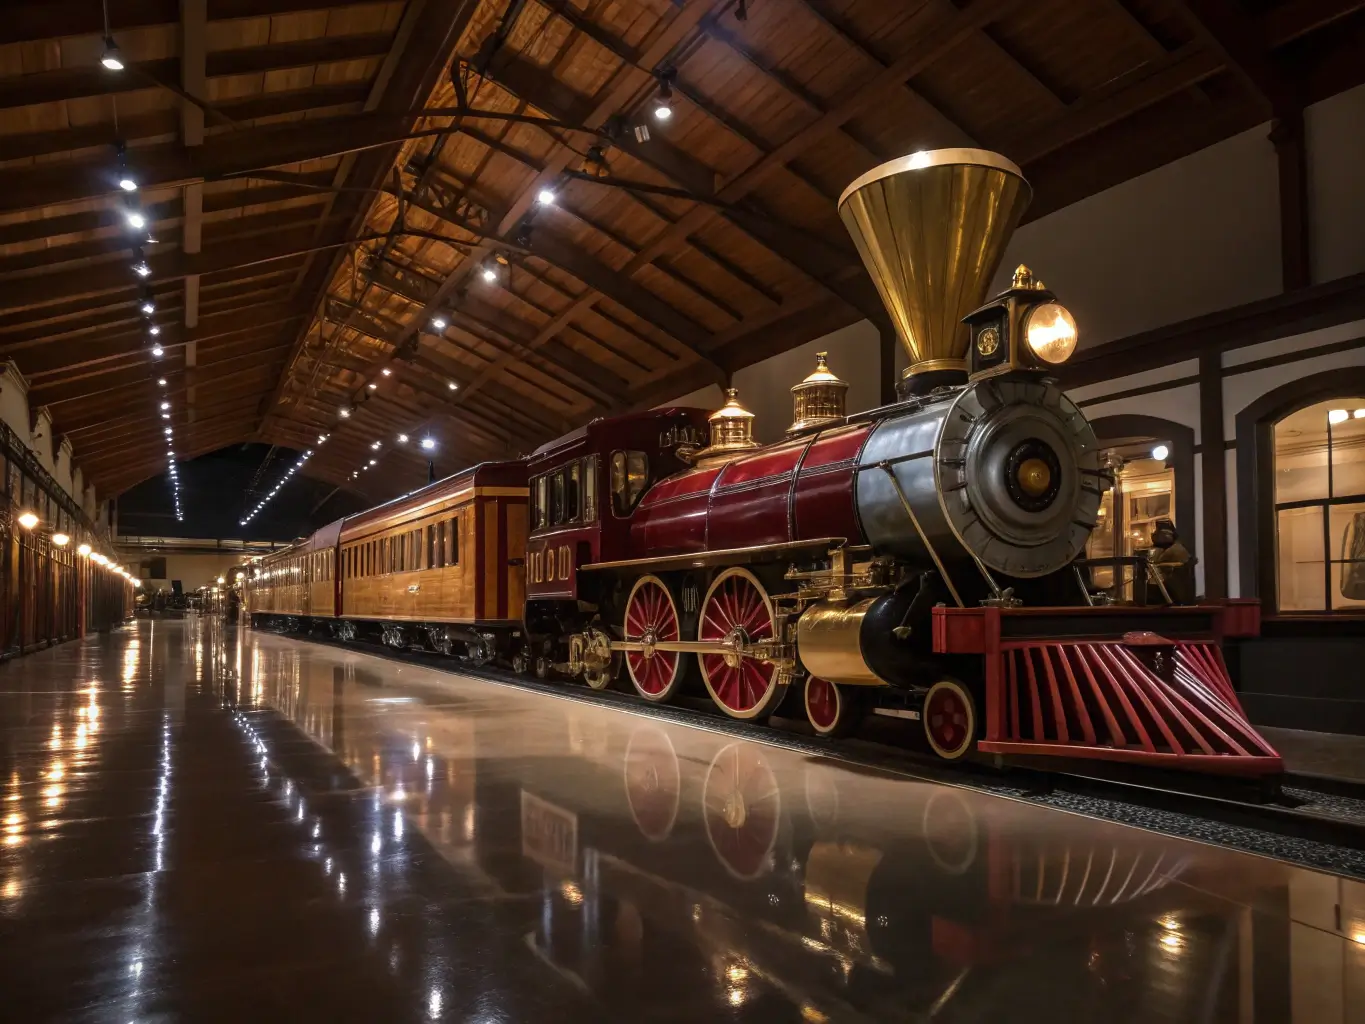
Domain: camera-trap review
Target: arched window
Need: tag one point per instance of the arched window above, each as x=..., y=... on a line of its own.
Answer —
x=1319, y=497
x=1152, y=462
x=1301, y=495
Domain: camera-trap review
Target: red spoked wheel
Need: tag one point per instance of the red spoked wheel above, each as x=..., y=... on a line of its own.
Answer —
x=652, y=615
x=737, y=610
x=831, y=709
x=742, y=810
x=949, y=719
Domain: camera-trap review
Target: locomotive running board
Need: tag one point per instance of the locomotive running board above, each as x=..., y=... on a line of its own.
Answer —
x=724, y=556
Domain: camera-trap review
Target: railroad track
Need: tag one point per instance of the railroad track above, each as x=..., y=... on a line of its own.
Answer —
x=1315, y=821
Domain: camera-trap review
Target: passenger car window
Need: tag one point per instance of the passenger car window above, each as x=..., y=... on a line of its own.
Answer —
x=557, y=498
x=629, y=478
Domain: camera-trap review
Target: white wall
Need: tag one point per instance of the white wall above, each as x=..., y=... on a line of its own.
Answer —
x=1336, y=146
x=54, y=453
x=1194, y=236
x=192, y=570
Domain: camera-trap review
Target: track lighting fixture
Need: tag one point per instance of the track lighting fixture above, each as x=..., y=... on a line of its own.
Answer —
x=112, y=58
x=663, y=103
x=452, y=385
x=136, y=220
x=438, y=323
x=148, y=306
x=595, y=162
x=546, y=196
x=154, y=330
x=158, y=351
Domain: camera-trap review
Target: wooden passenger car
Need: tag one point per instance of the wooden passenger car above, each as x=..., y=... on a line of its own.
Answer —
x=452, y=552
x=300, y=580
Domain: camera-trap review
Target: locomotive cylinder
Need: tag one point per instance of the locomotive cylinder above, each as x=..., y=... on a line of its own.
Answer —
x=854, y=642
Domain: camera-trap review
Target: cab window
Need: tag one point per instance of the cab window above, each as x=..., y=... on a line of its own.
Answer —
x=540, y=491
x=590, y=489
x=629, y=477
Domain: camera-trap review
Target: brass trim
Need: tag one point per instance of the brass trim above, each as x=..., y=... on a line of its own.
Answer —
x=828, y=642
x=931, y=365
x=933, y=158
x=723, y=556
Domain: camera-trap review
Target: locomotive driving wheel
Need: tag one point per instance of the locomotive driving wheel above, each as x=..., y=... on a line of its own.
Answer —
x=652, y=616
x=949, y=719
x=831, y=709
x=737, y=611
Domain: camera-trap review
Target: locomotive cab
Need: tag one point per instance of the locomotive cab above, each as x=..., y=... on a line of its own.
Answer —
x=584, y=489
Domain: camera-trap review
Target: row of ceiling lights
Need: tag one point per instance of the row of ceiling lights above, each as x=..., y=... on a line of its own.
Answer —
x=427, y=444
x=170, y=455
x=29, y=521
x=283, y=480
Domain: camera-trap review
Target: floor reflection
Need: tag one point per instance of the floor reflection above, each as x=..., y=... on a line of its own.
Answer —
x=208, y=824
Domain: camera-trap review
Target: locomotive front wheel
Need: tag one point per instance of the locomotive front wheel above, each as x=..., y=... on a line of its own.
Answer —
x=949, y=719
x=831, y=709
x=652, y=616
x=737, y=610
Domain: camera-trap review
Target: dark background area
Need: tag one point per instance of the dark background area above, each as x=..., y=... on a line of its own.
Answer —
x=216, y=491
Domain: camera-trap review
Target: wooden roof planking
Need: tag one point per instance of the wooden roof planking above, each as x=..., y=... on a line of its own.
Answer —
x=311, y=216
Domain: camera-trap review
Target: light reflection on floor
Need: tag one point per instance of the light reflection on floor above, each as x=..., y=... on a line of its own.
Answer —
x=212, y=823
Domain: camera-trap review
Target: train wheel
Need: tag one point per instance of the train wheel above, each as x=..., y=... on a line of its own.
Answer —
x=652, y=614
x=949, y=719
x=737, y=609
x=831, y=709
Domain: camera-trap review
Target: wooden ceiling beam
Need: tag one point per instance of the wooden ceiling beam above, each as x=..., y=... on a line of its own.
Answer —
x=133, y=344
x=75, y=83
x=589, y=379
x=32, y=20
x=818, y=256
x=596, y=275
x=382, y=330
x=418, y=59
x=1238, y=39
x=117, y=277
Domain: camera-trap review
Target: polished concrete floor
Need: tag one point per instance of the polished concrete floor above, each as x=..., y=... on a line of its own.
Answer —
x=207, y=824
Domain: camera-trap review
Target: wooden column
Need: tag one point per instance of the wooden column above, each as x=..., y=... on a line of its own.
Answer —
x=1291, y=153
x=1213, y=476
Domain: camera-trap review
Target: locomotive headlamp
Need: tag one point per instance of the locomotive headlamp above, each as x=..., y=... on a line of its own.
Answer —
x=1024, y=328
x=1052, y=332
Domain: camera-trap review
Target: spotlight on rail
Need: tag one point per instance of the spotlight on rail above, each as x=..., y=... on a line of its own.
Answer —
x=148, y=307
x=161, y=381
x=546, y=197
x=1338, y=416
x=158, y=351
x=428, y=444
x=141, y=269
x=402, y=438
x=344, y=413
x=1161, y=453
x=439, y=323
x=452, y=385
x=61, y=539
x=136, y=220
x=28, y=520
x=112, y=57
x=154, y=330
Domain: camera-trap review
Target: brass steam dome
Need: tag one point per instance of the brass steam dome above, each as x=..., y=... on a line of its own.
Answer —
x=818, y=400
x=732, y=429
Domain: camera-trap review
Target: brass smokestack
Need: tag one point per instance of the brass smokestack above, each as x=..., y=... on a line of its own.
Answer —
x=932, y=228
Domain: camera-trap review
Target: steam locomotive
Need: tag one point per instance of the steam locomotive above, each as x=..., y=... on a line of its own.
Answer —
x=918, y=560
